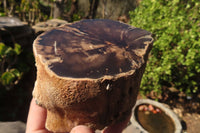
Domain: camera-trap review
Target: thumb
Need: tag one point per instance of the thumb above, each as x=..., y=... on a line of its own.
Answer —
x=81, y=129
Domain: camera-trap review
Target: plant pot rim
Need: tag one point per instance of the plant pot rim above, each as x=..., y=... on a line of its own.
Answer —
x=167, y=111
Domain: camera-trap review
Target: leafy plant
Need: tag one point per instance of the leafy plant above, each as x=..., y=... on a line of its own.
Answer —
x=10, y=72
x=175, y=58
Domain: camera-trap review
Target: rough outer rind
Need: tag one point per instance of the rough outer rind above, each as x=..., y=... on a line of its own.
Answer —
x=93, y=102
x=106, y=105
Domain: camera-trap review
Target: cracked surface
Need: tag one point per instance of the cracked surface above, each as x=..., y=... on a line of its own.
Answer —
x=92, y=48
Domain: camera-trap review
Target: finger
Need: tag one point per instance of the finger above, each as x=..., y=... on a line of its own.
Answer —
x=81, y=129
x=36, y=119
x=117, y=128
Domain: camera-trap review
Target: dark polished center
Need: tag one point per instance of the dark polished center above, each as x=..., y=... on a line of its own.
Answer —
x=92, y=48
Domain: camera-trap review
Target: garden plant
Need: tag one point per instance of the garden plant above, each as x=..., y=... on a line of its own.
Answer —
x=175, y=58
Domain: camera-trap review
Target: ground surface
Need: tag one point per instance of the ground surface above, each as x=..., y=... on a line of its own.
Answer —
x=190, y=120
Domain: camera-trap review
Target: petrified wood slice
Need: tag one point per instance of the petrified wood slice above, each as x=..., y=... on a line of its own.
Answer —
x=89, y=72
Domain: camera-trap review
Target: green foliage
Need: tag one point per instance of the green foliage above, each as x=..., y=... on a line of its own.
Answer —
x=15, y=63
x=77, y=16
x=10, y=72
x=175, y=58
x=2, y=14
x=27, y=5
x=27, y=10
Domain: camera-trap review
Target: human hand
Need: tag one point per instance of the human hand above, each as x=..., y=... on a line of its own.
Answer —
x=37, y=117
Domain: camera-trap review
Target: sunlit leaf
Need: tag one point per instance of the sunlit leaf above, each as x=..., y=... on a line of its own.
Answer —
x=2, y=49
x=7, y=78
x=17, y=49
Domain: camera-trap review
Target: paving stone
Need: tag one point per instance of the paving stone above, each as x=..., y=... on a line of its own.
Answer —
x=12, y=127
